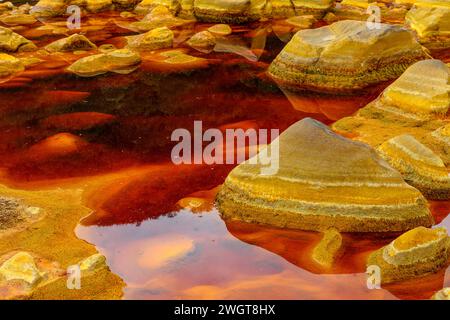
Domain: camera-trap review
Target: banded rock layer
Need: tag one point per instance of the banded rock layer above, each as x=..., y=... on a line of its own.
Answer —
x=415, y=253
x=419, y=165
x=345, y=56
x=432, y=24
x=323, y=181
x=416, y=104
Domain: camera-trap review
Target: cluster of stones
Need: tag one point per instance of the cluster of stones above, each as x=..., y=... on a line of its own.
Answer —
x=221, y=11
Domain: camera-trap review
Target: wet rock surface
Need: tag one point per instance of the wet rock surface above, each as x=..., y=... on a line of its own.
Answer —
x=314, y=59
x=415, y=253
x=359, y=192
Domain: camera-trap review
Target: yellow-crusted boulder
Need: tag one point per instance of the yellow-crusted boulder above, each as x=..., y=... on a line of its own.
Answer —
x=419, y=165
x=9, y=65
x=323, y=180
x=21, y=267
x=71, y=43
x=121, y=61
x=229, y=11
x=317, y=8
x=13, y=42
x=432, y=24
x=443, y=294
x=345, y=56
x=415, y=253
x=158, y=38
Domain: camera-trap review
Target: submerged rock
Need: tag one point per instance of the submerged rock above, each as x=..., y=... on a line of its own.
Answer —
x=13, y=42
x=121, y=61
x=220, y=29
x=415, y=253
x=224, y=11
x=419, y=165
x=443, y=294
x=73, y=43
x=323, y=181
x=155, y=39
x=9, y=65
x=345, y=56
x=302, y=22
x=203, y=41
x=328, y=249
x=21, y=267
x=432, y=24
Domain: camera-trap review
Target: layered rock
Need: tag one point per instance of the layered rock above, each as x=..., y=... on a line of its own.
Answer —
x=125, y=4
x=98, y=5
x=159, y=17
x=224, y=11
x=18, y=19
x=220, y=29
x=279, y=9
x=419, y=166
x=9, y=65
x=158, y=38
x=345, y=56
x=121, y=61
x=72, y=43
x=203, y=41
x=13, y=42
x=317, y=8
x=416, y=104
x=323, y=180
x=364, y=10
x=432, y=24
x=415, y=253
x=147, y=5
x=49, y=8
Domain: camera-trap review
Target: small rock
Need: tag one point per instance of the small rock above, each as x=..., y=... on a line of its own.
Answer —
x=13, y=42
x=94, y=262
x=415, y=253
x=303, y=22
x=155, y=39
x=9, y=65
x=419, y=166
x=18, y=19
x=202, y=41
x=328, y=249
x=220, y=29
x=122, y=61
x=443, y=294
x=75, y=42
x=107, y=48
x=21, y=267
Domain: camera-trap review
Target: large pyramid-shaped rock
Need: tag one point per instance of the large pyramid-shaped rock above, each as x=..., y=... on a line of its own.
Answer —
x=345, y=56
x=324, y=180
